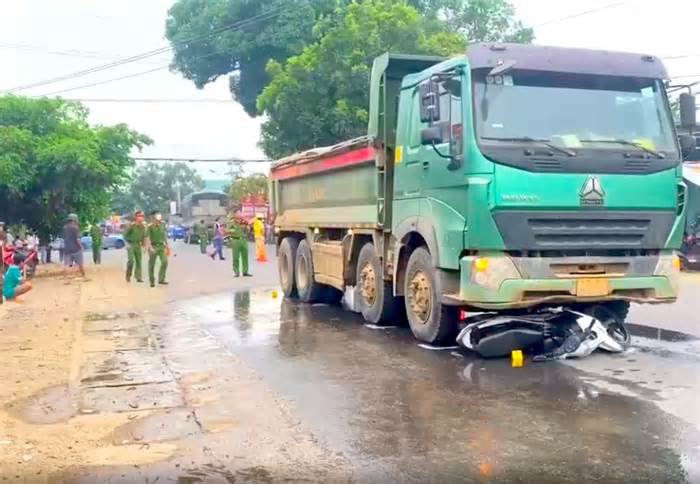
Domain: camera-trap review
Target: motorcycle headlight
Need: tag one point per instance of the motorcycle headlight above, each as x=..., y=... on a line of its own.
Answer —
x=669, y=265
x=491, y=271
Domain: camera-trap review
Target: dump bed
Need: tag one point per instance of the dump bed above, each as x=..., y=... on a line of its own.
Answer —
x=348, y=184
x=333, y=186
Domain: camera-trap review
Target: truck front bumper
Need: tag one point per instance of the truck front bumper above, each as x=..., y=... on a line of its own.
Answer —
x=511, y=285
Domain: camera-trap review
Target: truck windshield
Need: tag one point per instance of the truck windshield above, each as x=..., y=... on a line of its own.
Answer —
x=573, y=111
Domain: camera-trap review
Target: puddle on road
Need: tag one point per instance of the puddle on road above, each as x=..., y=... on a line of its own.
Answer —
x=161, y=427
x=51, y=405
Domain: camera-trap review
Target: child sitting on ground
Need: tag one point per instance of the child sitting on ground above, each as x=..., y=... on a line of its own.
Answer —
x=13, y=285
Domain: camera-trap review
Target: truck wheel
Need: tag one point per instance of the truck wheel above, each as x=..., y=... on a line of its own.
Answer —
x=612, y=315
x=308, y=289
x=429, y=319
x=285, y=265
x=376, y=300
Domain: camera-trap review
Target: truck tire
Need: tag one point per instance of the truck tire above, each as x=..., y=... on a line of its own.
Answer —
x=308, y=290
x=429, y=319
x=285, y=266
x=613, y=315
x=376, y=300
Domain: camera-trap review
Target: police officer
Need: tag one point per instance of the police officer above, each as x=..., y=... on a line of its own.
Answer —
x=157, y=249
x=135, y=237
x=239, y=245
x=200, y=230
x=96, y=236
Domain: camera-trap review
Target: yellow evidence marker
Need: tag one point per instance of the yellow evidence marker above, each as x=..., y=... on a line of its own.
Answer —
x=516, y=358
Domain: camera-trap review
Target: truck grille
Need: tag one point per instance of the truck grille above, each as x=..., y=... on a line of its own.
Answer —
x=584, y=230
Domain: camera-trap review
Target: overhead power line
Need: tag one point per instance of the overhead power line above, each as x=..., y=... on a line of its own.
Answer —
x=580, y=14
x=683, y=56
x=67, y=53
x=151, y=53
x=685, y=76
x=106, y=81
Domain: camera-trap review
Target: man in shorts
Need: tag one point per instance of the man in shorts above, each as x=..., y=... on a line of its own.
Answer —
x=72, y=246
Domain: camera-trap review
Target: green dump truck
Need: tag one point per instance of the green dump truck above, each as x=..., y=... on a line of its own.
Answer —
x=511, y=178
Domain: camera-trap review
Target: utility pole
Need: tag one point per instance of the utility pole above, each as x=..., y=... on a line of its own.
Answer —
x=179, y=198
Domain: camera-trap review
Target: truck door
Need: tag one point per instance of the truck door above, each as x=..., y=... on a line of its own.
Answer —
x=444, y=197
x=410, y=160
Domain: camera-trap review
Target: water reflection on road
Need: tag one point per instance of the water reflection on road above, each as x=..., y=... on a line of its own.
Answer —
x=398, y=411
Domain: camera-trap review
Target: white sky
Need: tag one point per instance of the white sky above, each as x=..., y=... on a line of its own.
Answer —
x=112, y=29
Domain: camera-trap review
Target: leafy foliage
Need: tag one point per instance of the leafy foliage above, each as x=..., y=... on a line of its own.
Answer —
x=53, y=162
x=477, y=20
x=307, y=68
x=256, y=184
x=321, y=95
x=153, y=186
x=242, y=51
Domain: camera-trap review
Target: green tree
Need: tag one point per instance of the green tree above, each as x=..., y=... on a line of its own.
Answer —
x=269, y=29
x=154, y=185
x=256, y=184
x=477, y=20
x=265, y=30
x=321, y=95
x=53, y=162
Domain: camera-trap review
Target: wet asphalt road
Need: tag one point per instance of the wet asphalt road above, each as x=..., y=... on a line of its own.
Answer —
x=400, y=412
x=389, y=410
x=397, y=412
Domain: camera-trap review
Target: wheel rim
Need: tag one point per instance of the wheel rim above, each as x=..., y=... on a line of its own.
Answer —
x=616, y=329
x=420, y=296
x=302, y=272
x=284, y=269
x=368, y=281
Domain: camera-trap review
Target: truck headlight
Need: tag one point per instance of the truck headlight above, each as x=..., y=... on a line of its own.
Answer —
x=491, y=271
x=669, y=265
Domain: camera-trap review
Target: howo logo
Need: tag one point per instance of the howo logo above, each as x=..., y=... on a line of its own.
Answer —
x=592, y=192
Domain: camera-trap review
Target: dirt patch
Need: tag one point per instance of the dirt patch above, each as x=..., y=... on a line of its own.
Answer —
x=137, y=454
x=51, y=405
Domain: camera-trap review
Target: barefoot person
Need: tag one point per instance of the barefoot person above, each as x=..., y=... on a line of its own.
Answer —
x=14, y=285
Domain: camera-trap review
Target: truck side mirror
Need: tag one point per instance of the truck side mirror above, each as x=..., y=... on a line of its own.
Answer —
x=429, y=101
x=688, y=110
x=688, y=144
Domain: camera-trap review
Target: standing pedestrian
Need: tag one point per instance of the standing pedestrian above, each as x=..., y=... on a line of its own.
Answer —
x=259, y=233
x=239, y=246
x=218, y=240
x=200, y=230
x=135, y=237
x=72, y=245
x=96, y=236
x=157, y=249
x=3, y=241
